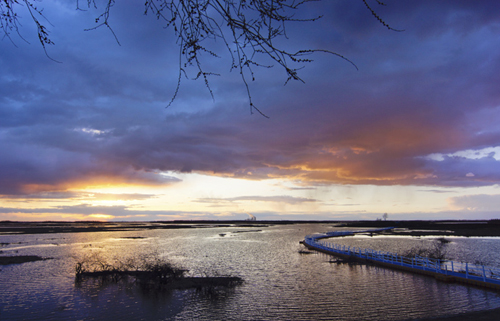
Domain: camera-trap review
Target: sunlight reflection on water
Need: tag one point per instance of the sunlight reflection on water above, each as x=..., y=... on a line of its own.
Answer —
x=280, y=283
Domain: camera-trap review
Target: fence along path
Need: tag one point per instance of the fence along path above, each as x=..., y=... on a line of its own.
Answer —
x=444, y=270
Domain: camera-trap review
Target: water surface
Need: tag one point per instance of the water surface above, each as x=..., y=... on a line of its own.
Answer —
x=280, y=283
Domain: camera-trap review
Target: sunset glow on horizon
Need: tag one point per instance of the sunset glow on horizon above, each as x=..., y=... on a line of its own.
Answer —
x=413, y=133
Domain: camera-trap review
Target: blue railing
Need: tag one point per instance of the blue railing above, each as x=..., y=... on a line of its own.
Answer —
x=467, y=271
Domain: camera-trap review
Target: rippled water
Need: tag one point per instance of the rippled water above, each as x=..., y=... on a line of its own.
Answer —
x=280, y=283
x=480, y=250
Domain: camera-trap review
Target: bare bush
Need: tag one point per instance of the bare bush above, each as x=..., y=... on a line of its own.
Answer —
x=437, y=250
x=145, y=268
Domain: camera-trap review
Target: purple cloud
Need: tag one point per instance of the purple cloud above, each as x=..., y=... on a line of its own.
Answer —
x=100, y=115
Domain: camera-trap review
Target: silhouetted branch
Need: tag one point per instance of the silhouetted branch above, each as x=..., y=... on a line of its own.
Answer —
x=102, y=19
x=378, y=17
x=247, y=28
x=9, y=21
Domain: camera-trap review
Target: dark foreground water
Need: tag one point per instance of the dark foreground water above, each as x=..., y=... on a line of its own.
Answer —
x=280, y=283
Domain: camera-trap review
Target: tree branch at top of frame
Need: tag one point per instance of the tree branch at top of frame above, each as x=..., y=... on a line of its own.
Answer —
x=247, y=28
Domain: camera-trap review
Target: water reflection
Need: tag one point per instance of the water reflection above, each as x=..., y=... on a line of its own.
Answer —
x=108, y=300
x=280, y=283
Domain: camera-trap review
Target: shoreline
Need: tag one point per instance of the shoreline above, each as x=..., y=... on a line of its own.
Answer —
x=480, y=228
x=20, y=228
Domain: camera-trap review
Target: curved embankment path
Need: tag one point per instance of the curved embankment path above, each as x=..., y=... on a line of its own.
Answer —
x=447, y=271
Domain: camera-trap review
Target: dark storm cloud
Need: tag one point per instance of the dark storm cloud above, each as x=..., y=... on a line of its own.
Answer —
x=31, y=168
x=100, y=115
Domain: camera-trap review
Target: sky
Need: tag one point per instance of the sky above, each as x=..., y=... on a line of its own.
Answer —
x=412, y=131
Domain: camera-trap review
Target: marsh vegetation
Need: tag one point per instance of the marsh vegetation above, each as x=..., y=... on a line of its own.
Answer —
x=148, y=271
x=437, y=249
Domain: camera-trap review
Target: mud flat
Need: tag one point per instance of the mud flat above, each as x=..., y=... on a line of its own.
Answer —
x=7, y=260
x=409, y=228
x=11, y=227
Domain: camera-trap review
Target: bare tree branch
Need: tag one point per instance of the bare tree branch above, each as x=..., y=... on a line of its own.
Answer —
x=9, y=21
x=247, y=28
